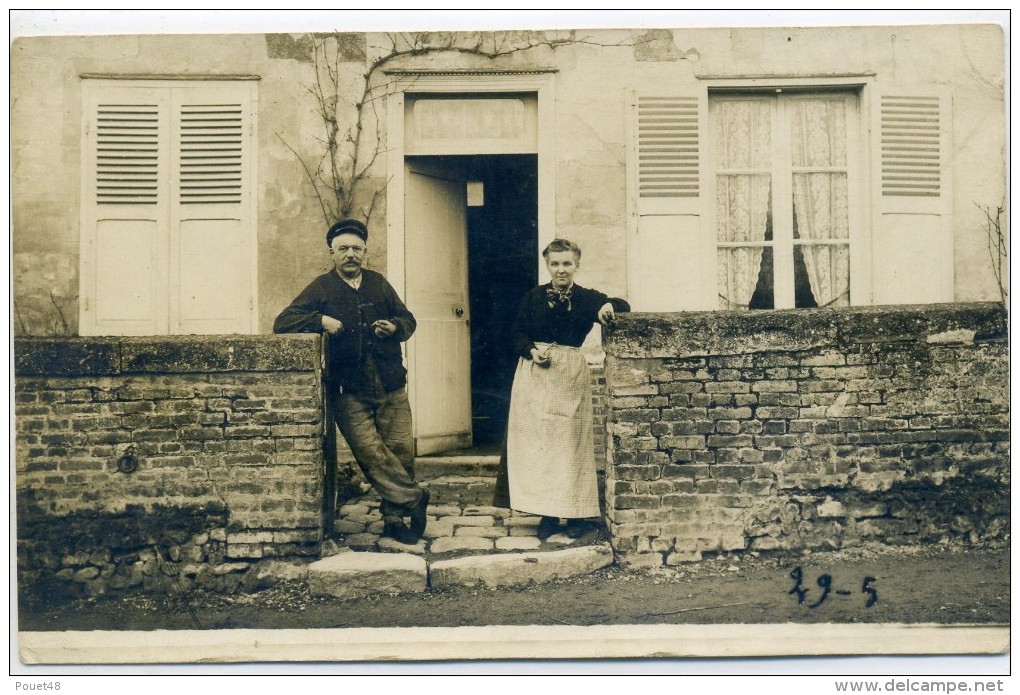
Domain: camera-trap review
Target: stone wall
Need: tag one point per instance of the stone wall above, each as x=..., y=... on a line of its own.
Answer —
x=807, y=429
x=151, y=461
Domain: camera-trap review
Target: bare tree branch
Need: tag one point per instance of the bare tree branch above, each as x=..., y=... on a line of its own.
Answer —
x=997, y=248
x=64, y=328
x=21, y=322
x=310, y=176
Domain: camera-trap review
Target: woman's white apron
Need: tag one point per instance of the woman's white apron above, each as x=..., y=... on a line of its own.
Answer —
x=550, y=444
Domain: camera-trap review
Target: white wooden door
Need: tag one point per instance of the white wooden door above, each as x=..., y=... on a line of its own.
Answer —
x=439, y=353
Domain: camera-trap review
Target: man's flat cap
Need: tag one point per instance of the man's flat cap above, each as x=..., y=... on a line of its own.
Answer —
x=349, y=226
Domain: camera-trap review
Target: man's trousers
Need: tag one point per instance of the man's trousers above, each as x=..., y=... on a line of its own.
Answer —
x=378, y=430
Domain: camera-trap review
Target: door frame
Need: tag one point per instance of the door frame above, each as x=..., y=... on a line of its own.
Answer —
x=539, y=82
x=536, y=81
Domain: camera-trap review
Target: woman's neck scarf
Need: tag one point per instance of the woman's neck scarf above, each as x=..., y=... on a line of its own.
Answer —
x=557, y=297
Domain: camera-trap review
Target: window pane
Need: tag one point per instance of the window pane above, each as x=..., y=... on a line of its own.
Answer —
x=818, y=132
x=822, y=275
x=745, y=274
x=820, y=206
x=742, y=206
x=742, y=134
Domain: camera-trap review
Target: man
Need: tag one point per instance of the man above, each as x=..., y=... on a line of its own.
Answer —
x=366, y=322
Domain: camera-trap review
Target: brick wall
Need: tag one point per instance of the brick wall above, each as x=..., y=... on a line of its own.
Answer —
x=786, y=430
x=226, y=435
x=600, y=407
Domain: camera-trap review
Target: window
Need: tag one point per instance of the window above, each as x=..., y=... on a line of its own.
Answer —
x=784, y=168
x=807, y=192
x=168, y=233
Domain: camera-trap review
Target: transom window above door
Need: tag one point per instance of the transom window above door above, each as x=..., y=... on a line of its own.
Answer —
x=785, y=168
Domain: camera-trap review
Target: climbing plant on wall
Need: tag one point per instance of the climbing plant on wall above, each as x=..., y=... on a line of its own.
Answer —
x=351, y=138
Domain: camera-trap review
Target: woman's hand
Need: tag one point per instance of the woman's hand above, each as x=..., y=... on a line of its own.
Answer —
x=607, y=314
x=539, y=358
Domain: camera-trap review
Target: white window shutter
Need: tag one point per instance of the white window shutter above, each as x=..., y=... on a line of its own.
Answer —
x=911, y=238
x=668, y=147
x=212, y=240
x=125, y=170
x=168, y=238
x=672, y=264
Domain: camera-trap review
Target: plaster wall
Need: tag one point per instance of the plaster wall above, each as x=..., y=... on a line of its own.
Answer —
x=595, y=77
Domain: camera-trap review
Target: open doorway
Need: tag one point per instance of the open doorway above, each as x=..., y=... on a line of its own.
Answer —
x=502, y=252
x=501, y=220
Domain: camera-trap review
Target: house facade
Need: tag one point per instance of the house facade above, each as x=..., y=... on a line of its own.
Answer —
x=173, y=185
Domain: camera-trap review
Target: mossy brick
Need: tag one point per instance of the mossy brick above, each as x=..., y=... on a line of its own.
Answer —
x=730, y=413
x=636, y=415
x=247, y=459
x=734, y=472
x=774, y=386
x=730, y=440
x=297, y=431
x=637, y=501
x=646, y=389
x=636, y=472
x=779, y=399
x=683, y=414
x=246, y=432
x=644, y=443
x=200, y=433
x=756, y=486
x=721, y=400
x=706, y=486
x=724, y=387
x=683, y=442
x=248, y=404
x=777, y=413
x=681, y=388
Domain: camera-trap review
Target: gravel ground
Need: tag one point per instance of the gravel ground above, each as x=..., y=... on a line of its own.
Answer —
x=937, y=584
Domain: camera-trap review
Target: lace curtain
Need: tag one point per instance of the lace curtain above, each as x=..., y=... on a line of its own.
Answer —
x=820, y=199
x=743, y=141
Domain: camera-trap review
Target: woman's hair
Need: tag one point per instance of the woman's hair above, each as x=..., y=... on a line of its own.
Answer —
x=561, y=245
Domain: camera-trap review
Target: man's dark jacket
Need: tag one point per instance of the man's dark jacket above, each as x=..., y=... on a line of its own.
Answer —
x=357, y=310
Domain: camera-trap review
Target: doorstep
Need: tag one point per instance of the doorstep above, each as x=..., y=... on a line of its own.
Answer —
x=461, y=518
x=467, y=541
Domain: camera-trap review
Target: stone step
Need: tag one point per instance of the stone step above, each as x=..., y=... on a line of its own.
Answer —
x=455, y=528
x=463, y=491
x=353, y=574
x=466, y=465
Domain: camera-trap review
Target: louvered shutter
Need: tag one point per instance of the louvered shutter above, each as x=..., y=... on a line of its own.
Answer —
x=211, y=215
x=125, y=210
x=671, y=266
x=168, y=211
x=912, y=242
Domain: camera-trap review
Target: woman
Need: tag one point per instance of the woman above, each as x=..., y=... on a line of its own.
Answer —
x=548, y=461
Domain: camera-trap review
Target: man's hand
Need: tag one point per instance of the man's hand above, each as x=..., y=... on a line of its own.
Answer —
x=607, y=314
x=331, y=325
x=384, y=328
